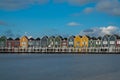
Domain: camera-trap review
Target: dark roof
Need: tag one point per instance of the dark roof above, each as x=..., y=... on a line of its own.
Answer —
x=38, y=38
x=64, y=39
x=44, y=37
x=52, y=37
x=117, y=36
x=72, y=36
x=107, y=35
x=31, y=39
x=80, y=36
x=99, y=37
x=9, y=39
x=17, y=39
x=94, y=38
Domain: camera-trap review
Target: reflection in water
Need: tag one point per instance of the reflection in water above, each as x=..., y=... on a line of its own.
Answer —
x=59, y=67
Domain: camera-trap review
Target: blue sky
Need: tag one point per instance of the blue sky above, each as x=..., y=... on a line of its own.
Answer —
x=59, y=17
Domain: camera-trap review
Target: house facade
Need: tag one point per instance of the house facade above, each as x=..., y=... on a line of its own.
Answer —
x=71, y=41
x=31, y=43
x=24, y=42
x=51, y=42
x=105, y=41
x=37, y=43
x=10, y=43
x=112, y=41
x=78, y=41
x=58, y=41
x=3, y=41
x=17, y=43
x=98, y=42
x=44, y=42
x=64, y=43
x=85, y=41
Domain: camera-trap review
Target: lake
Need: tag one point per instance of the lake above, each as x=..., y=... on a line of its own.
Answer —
x=59, y=67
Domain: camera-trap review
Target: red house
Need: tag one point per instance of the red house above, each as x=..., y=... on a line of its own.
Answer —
x=64, y=43
x=117, y=41
x=10, y=43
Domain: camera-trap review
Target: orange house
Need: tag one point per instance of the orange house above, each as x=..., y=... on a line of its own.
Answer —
x=85, y=40
x=24, y=42
x=77, y=41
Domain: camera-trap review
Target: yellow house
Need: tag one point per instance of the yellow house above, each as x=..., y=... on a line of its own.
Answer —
x=77, y=41
x=24, y=42
x=84, y=41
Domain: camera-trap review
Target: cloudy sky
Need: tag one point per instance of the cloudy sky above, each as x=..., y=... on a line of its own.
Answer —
x=59, y=17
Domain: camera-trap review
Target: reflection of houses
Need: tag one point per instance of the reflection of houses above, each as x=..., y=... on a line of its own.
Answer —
x=64, y=43
x=31, y=42
x=51, y=42
x=24, y=42
x=37, y=43
x=84, y=40
x=3, y=40
x=71, y=41
x=105, y=41
x=77, y=41
x=58, y=41
x=10, y=43
x=44, y=42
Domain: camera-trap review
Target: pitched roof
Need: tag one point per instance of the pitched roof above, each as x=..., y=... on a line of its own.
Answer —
x=31, y=39
x=38, y=38
x=17, y=39
x=9, y=39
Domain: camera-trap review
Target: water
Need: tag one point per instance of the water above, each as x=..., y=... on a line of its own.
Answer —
x=59, y=67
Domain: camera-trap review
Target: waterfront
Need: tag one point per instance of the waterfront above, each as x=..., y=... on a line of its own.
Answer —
x=59, y=66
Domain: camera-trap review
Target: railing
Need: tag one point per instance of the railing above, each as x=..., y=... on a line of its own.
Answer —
x=61, y=50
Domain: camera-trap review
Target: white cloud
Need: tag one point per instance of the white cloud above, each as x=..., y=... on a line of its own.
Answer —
x=100, y=31
x=108, y=30
x=73, y=24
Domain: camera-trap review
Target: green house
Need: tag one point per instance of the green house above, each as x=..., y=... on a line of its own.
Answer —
x=51, y=42
x=58, y=41
x=3, y=41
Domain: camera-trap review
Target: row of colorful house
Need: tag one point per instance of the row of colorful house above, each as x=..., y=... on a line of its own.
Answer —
x=60, y=42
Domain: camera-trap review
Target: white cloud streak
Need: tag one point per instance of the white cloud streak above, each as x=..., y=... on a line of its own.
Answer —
x=73, y=24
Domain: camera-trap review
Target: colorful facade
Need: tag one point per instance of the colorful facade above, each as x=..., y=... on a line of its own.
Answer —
x=73, y=43
x=10, y=43
x=24, y=42
x=64, y=43
x=51, y=42
x=3, y=41
x=85, y=41
x=58, y=41
x=78, y=41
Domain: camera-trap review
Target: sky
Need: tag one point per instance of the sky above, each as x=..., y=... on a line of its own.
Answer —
x=37, y=18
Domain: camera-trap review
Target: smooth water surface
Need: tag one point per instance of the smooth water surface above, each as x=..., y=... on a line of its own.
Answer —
x=59, y=67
